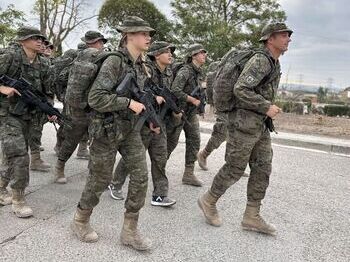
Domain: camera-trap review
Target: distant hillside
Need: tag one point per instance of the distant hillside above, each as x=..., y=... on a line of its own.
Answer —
x=306, y=88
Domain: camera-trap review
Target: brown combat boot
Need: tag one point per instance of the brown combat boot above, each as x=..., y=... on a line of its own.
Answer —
x=19, y=205
x=207, y=203
x=83, y=151
x=189, y=178
x=59, y=172
x=254, y=222
x=130, y=236
x=37, y=164
x=81, y=226
x=202, y=159
x=5, y=196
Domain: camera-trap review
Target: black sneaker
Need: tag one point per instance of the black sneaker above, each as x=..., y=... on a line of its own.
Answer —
x=115, y=193
x=162, y=201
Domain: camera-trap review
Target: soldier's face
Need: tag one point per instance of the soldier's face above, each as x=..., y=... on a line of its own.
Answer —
x=165, y=58
x=141, y=40
x=98, y=44
x=280, y=41
x=200, y=58
x=34, y=43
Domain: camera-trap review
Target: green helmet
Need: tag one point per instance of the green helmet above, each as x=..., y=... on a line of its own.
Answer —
x=194, y=49
x=133, y=24
x=82, y=46
x=92, y=37
x=159, y=47
x=26, y=32
x=270, y=29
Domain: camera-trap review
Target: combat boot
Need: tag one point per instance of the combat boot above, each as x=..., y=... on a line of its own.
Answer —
x=83, y=151
x=130, y=235
x=59, y=172
x=207, y=203
x=189, y=178
x=254, y=222
x=81, y=226
x=5, y=196
x=19, y=205
x=37, y=164
x=202, y=159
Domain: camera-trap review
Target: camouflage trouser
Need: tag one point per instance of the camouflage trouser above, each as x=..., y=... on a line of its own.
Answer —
x=192, y=135
x=36, y=132
x=248, y=142
x=60, y=132
x=219, y=134
x=157, y=150
x=79, y=121
x=14, y=137
x=102, y=159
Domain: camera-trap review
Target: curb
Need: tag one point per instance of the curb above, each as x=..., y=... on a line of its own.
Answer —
x=321, y=146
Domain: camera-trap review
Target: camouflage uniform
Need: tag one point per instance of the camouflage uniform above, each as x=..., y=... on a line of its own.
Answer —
x=249, y=139
x=15, y=124
x=156, y=144
x=184, y=83
x=103, y=148
x=79, y=119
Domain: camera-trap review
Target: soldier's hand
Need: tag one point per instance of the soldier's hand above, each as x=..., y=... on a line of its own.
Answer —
x=273, y=111
x=160, y=100
x=193, y=100
x=177, y=116
x=52, y=118
x=136, y=107
x=154, y=129
x=8, y=91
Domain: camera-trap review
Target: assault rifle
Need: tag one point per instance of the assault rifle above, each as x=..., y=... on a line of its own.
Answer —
x=170, y=100
x=129, y=88
x=32, y=98
x=199, y=94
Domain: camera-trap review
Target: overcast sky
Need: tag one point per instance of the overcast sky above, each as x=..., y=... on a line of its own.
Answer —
x=319, y=53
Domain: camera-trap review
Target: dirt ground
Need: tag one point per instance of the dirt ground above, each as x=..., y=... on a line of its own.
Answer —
x=308, y=124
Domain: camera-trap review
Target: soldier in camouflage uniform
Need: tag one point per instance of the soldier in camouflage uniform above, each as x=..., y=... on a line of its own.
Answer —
x=109, y=137
x=36, y=163
x=79, y=118
x=158, y=63
x=16, y=122
x=249, y=139
x=186, y=80
x=219, y=133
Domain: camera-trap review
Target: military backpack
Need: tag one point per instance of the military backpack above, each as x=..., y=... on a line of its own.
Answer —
x=227, y=74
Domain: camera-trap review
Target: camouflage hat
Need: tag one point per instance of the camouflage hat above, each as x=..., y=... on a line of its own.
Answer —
x=26, y=32
x=133, y=24
x=92, y=37
x=82, y=46
x=159, y=47
x=195, y=49
x=270, y=29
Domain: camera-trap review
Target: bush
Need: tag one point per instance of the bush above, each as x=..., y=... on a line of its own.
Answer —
x=291, y=107
x=337, y=110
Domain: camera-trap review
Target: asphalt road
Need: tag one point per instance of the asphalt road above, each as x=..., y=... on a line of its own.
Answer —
x=308, y=202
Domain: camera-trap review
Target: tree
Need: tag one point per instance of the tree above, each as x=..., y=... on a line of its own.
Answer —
x=10, y=20
x=222, y=24
x=58, y=18
x=113, y=12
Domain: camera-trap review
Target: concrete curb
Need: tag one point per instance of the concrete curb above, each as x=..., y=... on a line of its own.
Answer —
x=335, y=147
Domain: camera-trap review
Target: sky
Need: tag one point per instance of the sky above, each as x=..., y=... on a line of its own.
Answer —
x=319, y=53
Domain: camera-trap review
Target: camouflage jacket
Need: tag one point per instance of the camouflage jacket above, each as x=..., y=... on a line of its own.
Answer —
x=186, y=80
x=102, y=97
x=158, y=77
x=15, y=64
x=250, y=90
x=212, y=70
